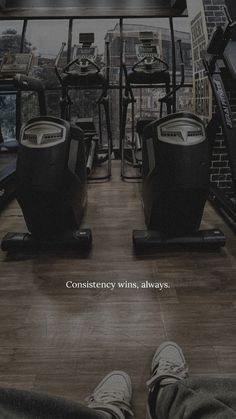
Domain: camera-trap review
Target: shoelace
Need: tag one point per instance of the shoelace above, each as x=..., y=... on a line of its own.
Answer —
x=167, y=369
x=107, y=397
x=110, y=398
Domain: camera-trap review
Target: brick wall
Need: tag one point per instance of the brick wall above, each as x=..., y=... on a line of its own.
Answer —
x=214, y=13
x=220, y=170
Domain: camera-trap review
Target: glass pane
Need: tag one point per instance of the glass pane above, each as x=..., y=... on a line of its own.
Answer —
x=162, y=38
x=10, y=36
x=53, y=102
x=45, y=38
x=147, y=103
x=84, y=104
x=105, y=30
x=184, y=100
x=147, y=106
x=160, y=29
x=29, y=106
x=84, y=101
x=185, y=95
x=8, y=117
x=183, y=32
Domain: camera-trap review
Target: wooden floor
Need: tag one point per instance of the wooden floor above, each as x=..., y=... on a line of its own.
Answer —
x=63, y=341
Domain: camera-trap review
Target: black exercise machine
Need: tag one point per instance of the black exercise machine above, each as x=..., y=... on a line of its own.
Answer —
x=14, y=78
x=51, y=186
x=85, y=73
x=148, y=70
x=220, y=63
x=175, y=172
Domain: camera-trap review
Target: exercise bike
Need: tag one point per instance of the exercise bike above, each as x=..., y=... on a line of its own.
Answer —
x=84, y=73
x=51, y=186
x=175, y=180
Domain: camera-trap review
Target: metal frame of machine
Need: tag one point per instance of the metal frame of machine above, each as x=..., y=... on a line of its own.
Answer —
x=224, y=199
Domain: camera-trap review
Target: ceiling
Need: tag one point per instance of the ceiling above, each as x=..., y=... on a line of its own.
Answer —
x=90, y=8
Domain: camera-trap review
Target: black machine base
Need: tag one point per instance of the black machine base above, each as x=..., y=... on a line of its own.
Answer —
x=73, y=240
x=203, y=238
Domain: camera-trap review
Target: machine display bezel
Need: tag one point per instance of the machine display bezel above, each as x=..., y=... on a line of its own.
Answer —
x=19, y=63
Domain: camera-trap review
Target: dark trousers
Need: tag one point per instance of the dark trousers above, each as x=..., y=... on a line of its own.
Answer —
x=17, y=404
x=197, y=398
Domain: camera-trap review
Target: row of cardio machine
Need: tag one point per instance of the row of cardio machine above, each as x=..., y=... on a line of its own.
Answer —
x=171, y=151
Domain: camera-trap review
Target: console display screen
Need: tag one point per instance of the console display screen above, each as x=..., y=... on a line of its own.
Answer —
x=151, y=49
x=16, y=63
x=87, y=51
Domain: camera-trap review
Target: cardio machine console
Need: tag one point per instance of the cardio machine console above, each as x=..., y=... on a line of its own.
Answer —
x=146, y=51
x=146, y=48
x=86, y=51
x=13, y=64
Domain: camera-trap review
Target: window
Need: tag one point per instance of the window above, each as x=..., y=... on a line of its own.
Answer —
x=147, y=98
x=183, y=32
x=8, y=117
x=10, y=36
x=45, y=38
x=105, y=30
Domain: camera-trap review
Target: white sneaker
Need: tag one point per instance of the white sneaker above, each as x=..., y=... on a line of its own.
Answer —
x=113, y=395
x=168, y=365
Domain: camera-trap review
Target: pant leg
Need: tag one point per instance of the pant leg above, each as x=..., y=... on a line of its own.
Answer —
x=18, y=404
x=197, y=398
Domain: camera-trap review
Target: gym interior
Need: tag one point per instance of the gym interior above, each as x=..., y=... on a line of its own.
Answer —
x=117, y=190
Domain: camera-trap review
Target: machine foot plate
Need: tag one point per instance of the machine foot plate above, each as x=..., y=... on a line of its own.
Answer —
x=201, y=239
x=78, y=239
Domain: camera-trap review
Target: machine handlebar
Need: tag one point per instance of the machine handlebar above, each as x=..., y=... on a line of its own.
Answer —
x=26, y=83
x=154, y=60
x=182, y=80
x=181, y=64
x=77, y=61
x=29, y=83
x=56, y=65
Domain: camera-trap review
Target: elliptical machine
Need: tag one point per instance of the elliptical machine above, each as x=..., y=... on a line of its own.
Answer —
x=175, y=176
x=51, y=186
x=82, y=73
x=148, y=70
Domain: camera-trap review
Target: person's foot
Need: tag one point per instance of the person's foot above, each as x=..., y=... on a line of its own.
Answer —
x=113, y=395
x=168, y=365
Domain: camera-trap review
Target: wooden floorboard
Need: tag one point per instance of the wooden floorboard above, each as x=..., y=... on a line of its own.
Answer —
x=63, y=341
